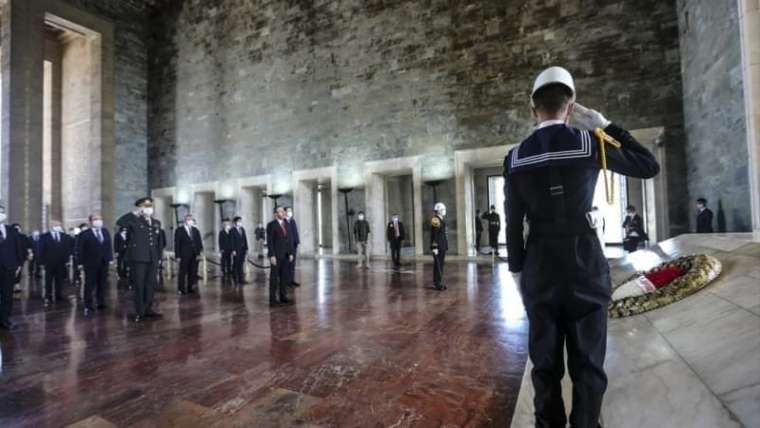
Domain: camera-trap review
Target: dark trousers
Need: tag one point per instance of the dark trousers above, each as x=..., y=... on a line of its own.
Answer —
x=438, y=267
x=188, y=273
x=493, y=239
x=121, y=266
x=396, y=252
x=54, y=274
x=227, y=262
x=630, y=244
x=238, y=265
x=7, y=277
x=95, y=279
x=566, y=310
x=279, y=279
x=144, y=277
x=478, y=234
x=293, y=266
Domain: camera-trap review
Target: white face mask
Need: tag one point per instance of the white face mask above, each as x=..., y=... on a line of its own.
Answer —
x=395, y=219
x=289, y=214
x=442, y=212
x=361, y=217
x=97, y=223
x=189, y=223
x=58, y=229
x=239, y=224
x=2, y=217
x=148, y=211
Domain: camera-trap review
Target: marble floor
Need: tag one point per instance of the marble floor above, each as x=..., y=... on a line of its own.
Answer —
x=369, y=348
x=694, y=363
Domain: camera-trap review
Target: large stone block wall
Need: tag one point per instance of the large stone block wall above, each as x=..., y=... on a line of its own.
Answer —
x=248, y=87
x=714, y=112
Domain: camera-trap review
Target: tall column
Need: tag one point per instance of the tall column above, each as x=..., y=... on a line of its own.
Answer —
x=22, y=123
x=749, y=18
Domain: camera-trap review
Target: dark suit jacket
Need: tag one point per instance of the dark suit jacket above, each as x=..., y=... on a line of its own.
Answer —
x=293, y=232
x=225, y=240
x=93, y=253
x=279, y=244
x=239, y=240
x=12, y=250
x=186, y=246
x=143, y=238
x=391, y=233
x=56, y=252
x=704, y=221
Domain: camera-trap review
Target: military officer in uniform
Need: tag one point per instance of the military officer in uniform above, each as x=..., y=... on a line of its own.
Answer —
x=563, y=275
x=494, y=227
x=439, y=244
x=143, y=254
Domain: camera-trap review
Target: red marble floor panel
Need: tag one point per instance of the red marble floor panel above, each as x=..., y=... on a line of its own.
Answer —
x=357, y=349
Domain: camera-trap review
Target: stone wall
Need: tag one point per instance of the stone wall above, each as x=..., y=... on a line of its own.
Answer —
x=248, y=87
x=714, y=112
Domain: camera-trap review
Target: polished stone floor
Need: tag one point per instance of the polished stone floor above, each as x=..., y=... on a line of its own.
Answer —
x=358, y=349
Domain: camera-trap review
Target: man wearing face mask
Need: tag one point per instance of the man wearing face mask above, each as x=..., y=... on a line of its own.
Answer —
x=143, y=253
x=188, y=246
x=226, y=247
x=439, y=244
x=280, y=248
x=11, y=258
x=396, y=234
x=563, y=275
x=95, y=257
x=56, y=249
x=494, y=227
x=704, y=217
x=361, y=236
x=293, y=230
x=240, y=248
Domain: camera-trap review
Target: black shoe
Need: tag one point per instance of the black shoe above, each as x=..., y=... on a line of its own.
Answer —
x=101, y=307
x=153, y=314
x=7, y=326
x=438, y=287
x=286, y=301
x=60, y=299
x=444, y=286
x=192, y=290
x=295, y=284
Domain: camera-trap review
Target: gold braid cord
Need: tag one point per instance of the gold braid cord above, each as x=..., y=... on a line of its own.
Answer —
x=699, y=270
x=604, y=139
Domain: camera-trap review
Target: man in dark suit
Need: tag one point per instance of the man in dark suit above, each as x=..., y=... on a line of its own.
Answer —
x=226, y=247
x=439, y=244
x=11, y=258
x=120, y=247
x=396, y=234
x=239, y=250
x=143, y=253
x=704, y=217
x=95, y=256
x=634, y=230
x=293, y=231
x=57, y=248
x=188, y=245
x=280, y=248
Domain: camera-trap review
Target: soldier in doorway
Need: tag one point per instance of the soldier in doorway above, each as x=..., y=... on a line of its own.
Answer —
x=143, y=254
x=563, y=275
x=494, y=227
x=396, y=234
x=439, y=244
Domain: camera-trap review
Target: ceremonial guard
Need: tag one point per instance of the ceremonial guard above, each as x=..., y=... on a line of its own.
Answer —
x=563, y=274
x=439, y=244
x=188, y=246
x=12, y=255
x=494, y=227
x=143, y=254
x=395, y=234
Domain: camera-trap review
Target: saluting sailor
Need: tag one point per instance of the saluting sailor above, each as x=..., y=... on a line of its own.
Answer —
x=439, y=244
x=563, y=274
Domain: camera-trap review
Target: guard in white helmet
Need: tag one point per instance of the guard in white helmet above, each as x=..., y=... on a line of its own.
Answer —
x=562, y=272
x=439, y=244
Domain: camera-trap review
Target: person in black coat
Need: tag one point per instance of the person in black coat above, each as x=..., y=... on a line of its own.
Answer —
x=56, y=249
x=396, y=234
x=95, y=258
x=478, y=230
x=280, y=249
x=561, y=270
x=11, y=258
x=120, y=247
x=239, y=250
x=439, y=244
x=226, y=247
x=633, y=226
x=293, y=231
x=143, y=254
x=188, y=246
x=704, y=217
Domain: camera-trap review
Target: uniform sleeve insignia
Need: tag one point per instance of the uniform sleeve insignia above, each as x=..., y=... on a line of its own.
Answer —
x=435, y=222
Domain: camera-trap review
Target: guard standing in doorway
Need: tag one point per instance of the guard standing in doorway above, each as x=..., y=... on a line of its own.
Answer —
x=494, y=227
x=563, y=274
x=396, y=234
x=439, y=244
x=143, y=253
